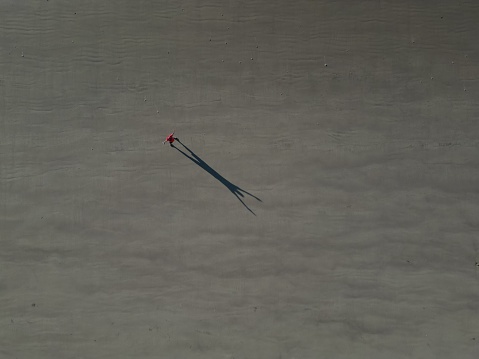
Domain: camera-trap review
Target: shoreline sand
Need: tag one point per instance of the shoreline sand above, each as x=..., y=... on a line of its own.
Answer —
x=355, y=124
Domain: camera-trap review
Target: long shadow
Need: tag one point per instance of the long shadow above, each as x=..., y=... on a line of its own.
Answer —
x=237, y=191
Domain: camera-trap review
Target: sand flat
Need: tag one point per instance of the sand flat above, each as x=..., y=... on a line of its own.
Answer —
x=354, y=123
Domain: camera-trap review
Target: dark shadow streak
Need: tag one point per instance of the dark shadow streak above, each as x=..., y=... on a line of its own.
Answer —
x=238, y=192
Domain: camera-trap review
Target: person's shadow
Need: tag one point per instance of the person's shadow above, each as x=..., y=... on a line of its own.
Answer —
x=238, y=192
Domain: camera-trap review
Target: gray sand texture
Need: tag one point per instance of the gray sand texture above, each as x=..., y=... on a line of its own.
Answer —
x=322, y=201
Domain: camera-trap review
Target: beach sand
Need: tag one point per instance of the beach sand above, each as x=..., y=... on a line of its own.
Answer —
x=348, y=129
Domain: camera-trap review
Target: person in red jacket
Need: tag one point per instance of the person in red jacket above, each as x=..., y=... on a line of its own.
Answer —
x=170, y=138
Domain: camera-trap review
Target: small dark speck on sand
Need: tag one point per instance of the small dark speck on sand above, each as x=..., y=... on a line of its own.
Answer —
x=33, y=304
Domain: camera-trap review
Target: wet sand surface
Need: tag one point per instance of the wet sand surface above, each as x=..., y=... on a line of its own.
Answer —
x=322, y=203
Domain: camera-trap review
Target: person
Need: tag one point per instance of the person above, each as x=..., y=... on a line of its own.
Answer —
x=170, y=138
